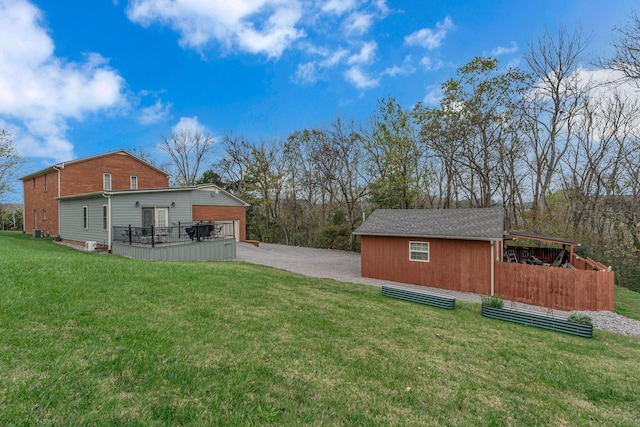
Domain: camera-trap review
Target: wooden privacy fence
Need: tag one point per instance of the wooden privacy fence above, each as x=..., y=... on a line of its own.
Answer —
x=559, y=288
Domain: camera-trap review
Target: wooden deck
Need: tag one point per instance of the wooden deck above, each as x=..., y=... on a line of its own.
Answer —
x=218, y=249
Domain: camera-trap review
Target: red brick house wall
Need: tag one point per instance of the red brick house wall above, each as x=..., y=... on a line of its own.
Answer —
x=87, y=176
x=39, y=194
x=79, y=177
x=222, y=213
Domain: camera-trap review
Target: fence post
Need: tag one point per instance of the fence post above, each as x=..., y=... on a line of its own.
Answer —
x=153, y=236
x=129, y=233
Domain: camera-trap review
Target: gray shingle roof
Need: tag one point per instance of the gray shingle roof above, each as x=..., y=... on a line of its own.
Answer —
x=466, y=224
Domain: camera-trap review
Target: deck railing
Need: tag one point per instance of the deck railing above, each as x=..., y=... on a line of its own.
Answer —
x=175, y=233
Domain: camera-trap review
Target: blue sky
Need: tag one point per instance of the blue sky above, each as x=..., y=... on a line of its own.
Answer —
x=81, y=77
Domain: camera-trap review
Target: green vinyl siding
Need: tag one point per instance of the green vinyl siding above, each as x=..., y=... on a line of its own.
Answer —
x=126, y=209
x=125, y=212
x=208, y=197
x=72, y=220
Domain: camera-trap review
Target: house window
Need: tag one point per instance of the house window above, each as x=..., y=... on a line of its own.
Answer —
x=34, y=183
x=419, y=251
x=107, y=181
x=134, y=182
x=105, y=217
x=35, y=218
x=85, y=217
x=46, y=186
x=44, y=214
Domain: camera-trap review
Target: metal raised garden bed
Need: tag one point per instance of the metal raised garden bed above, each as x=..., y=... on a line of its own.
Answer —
x=538, y=321
x=419, y=296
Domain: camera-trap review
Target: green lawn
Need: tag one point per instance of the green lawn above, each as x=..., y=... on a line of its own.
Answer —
x=97, y=339
x=627, y=303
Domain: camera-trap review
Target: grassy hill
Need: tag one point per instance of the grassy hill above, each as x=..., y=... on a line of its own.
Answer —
x=90, y=338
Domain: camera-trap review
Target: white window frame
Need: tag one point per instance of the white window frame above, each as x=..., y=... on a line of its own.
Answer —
x=134, y=182
x=85, y=217
x=162, y=217
x=106, y=181
x=414, y=250
x=44, y=214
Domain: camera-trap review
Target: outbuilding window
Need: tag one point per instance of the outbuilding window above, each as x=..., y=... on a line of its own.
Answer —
x=419, y=251
x=85, y=217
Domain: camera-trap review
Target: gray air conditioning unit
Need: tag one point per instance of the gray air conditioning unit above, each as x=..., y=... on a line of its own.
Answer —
x=37, y=233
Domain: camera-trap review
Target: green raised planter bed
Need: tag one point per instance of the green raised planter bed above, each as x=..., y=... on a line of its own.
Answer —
x=539, y=321
x=421, y=297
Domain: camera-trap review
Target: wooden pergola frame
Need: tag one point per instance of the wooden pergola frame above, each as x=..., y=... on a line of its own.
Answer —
x=548, y=239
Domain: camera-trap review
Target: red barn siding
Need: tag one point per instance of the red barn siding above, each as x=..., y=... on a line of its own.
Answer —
x=462, y=265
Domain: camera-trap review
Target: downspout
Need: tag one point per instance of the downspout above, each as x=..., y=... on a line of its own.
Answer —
x=493, y=272
x=108, y=196
x=55, y=167
x=24, y=212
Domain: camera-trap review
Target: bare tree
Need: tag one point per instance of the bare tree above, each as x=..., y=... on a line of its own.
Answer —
x=235, y=162
x=626, y=45
x=339, y=156
x=553, y=104
x=9, y=161
x=187, y=149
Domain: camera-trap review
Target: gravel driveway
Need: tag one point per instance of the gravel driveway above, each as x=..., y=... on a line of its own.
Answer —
x=345, y=267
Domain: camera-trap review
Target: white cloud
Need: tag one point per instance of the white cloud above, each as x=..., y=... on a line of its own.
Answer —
x=40, y=93
x=271, y=28
x=359, y=79
x=429, y=65
x=266, y=27
x=501, y=50
x=155, y=113
x=339, y=7
x=190, y=124
x=306, y=73
x=311, y=72
x=433, y=95
x=382, y=7
x=405, y=69
x=334, y=58
x=366, y=54
x=358, y=23
x=428, y=38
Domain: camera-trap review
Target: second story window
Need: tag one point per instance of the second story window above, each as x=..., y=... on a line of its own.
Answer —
x=107, y=181
x=134, y=182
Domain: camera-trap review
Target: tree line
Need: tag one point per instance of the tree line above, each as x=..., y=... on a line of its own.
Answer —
x=558, y=150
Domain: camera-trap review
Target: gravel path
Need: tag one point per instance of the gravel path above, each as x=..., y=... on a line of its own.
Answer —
x=345, y=267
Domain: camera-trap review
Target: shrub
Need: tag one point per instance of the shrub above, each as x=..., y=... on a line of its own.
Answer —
x=579, y=318
x=492, y=301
